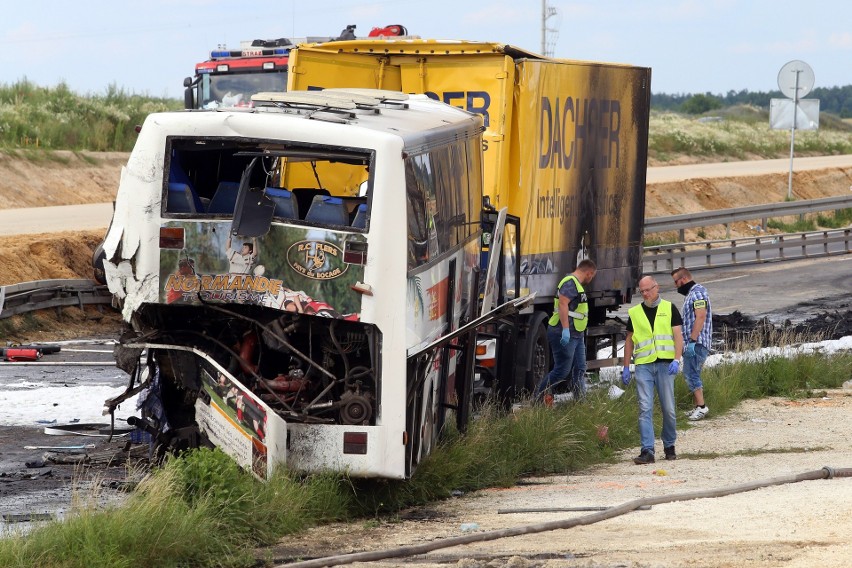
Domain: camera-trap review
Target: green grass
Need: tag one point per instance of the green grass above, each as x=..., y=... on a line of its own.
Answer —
x=841, y=218
x=660, y=239
x=201, y=510
x=749, y=453
x=55, y=118
x=835, y=220
x=741, y=135
x=798, y=226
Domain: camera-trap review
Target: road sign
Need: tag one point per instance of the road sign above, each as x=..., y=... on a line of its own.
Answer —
x=796, y=79
x=781, y=114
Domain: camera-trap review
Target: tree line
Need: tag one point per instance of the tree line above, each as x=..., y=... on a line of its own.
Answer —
x=835, y=100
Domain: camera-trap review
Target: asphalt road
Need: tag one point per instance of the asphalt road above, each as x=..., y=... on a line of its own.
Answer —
x=32, y=220
x=794, y=290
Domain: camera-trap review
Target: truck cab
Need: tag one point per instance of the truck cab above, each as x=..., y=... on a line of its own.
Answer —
x=229, y=77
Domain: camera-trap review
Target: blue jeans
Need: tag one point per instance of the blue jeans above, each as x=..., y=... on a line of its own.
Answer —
x=568, y=361
x=648, y=377
x=692, y=367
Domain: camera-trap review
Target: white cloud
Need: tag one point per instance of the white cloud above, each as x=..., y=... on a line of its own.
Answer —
x=842, y=40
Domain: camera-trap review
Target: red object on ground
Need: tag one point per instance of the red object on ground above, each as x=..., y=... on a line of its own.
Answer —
x=13, y=354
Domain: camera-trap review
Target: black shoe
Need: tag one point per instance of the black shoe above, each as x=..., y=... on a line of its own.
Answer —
x=645, y=457
x=670, y=453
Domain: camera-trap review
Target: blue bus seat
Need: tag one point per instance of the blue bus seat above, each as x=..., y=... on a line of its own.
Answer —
x=304, y=196
x=360, y=220
x=225, y=198
x=285, y=204
x=180, y=199
x=178, y=175
x=328, y=211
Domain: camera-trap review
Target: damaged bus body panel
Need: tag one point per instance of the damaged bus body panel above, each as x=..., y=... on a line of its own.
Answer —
x=281, y=268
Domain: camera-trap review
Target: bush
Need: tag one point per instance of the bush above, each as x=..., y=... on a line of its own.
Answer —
x=56, y=118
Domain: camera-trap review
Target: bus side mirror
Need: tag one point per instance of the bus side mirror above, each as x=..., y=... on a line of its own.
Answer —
x=252, y=213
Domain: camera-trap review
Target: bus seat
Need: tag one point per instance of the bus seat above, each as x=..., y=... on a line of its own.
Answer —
x=360, y=220
x=178, y=175
x=180, y=199
x=305, y=195
x=225, y=198
x=328, y=211
x=285, y=204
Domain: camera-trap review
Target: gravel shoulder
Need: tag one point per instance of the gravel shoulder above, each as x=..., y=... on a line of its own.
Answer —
x=799, y=525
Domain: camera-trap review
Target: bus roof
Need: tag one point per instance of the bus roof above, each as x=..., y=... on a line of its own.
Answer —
x=414, y=118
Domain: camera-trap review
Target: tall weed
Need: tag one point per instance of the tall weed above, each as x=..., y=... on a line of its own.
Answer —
x=55, y=118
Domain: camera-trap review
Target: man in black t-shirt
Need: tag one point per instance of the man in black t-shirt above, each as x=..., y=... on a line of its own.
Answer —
x=655, y=342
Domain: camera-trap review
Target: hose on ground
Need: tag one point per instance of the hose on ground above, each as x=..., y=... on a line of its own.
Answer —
x=413, y=550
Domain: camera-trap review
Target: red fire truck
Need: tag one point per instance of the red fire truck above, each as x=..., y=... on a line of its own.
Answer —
x=230, y=77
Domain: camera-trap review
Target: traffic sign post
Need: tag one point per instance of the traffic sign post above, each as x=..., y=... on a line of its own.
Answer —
x=795, y=79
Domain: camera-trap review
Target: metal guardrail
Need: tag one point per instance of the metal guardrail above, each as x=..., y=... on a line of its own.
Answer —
x=748, y=250
x=727, y=216
x=42, y=294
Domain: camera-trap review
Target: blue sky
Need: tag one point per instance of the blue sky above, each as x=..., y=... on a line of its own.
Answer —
x=692, y=46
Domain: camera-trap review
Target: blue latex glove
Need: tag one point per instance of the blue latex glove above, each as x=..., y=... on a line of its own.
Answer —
x=674, y=367
x=689, y=351
x=625, y=375
x=566, y=336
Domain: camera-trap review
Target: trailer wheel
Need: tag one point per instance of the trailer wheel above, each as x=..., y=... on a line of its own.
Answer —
x=538, y=351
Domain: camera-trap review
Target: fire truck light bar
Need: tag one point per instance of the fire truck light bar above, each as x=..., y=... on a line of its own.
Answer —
x=249, y=53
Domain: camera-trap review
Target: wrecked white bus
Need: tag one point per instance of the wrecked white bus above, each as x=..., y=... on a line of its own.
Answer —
x=300, y=279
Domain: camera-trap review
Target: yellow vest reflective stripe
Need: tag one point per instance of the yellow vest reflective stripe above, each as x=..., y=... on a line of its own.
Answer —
x=580, y=315
x=652, y=343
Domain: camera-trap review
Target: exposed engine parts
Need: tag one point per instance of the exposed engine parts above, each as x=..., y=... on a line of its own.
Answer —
x=307, y=369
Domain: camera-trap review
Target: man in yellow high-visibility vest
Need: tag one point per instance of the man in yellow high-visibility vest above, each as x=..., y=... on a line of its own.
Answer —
x=566, y=331
x=655, y=343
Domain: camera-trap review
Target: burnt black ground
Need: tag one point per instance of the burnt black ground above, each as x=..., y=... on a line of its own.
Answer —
x=832, y=321
x=36, y=482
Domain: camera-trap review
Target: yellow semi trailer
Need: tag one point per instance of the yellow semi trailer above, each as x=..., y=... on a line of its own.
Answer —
x=564, y=150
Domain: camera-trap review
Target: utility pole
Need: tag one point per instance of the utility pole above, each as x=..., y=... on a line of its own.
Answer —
x=546, y=13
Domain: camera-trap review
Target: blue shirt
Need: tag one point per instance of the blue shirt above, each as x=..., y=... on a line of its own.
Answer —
x=697, y=298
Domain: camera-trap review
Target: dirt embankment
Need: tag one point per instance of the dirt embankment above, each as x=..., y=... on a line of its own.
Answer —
x=66, y=178
x=42, y=179
x=704, y=194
